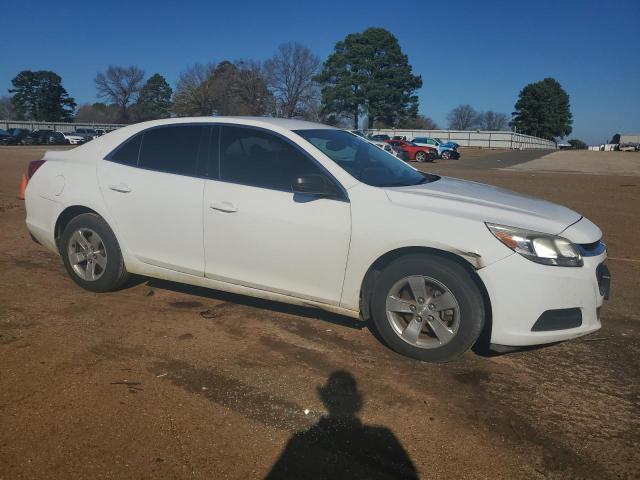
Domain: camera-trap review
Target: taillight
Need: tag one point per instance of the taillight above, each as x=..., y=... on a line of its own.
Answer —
x=33, y=166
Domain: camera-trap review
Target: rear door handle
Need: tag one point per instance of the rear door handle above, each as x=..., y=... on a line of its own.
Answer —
x=221, y=206
x=121, y=187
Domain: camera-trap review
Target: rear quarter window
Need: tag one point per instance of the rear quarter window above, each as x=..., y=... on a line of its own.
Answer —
x=127, y=153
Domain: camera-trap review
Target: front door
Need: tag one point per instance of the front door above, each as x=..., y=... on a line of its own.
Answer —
x=259, y=234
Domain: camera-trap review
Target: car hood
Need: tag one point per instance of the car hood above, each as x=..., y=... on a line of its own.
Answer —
x=451, y=196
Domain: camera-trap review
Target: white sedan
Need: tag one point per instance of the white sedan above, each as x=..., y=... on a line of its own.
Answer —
x=308, y=214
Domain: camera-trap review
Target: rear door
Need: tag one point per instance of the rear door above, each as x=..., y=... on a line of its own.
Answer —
x=153, y=189
x=258, y=233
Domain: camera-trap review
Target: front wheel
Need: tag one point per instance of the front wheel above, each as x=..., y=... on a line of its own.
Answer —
x=446, y=155
x=91, y=254
x=427, y=307
x=421, y=157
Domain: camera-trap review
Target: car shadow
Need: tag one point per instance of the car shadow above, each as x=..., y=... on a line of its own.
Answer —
x=301, y=311
x=339, y=445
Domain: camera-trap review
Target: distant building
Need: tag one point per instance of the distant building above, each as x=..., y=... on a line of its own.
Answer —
x=626, y=138
x=629, y=138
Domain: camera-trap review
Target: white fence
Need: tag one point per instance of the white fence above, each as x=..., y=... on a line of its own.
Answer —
x=56, y=126
x=476, y=138
x=464, y=138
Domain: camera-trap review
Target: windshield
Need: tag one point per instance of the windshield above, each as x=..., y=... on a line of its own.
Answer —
x=363, y=160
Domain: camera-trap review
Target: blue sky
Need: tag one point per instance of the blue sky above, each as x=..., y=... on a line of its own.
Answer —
x=474, y=52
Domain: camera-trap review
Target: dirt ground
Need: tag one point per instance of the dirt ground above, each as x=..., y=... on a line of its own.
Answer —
x=166, y=381
x=580, y=161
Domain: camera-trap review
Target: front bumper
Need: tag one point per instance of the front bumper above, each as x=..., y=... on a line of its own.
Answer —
x=522, y=292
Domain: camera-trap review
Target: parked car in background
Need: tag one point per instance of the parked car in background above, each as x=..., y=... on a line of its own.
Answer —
x=87, y=133
x=307, y=214
x=100, y=131
x=14, y=136
x=4, y=136
x=359, y=133
x=383, y=145
x=446, y=150
x=380, y=137
x=411, y=152
x=38, y=137
x=65, y=138
x=629, y=147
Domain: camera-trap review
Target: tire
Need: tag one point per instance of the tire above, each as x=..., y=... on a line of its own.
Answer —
x=421, y=156
x=447, y=284
x=91, y=254
x=446, y=155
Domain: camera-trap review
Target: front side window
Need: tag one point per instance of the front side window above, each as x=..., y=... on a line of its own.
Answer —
x=363, y=160
x=257, y=158
x=172, y=149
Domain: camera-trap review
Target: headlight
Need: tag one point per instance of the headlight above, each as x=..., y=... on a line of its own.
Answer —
x=538, y=247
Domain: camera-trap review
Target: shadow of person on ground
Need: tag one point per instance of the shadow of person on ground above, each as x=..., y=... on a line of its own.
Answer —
x=340, y=445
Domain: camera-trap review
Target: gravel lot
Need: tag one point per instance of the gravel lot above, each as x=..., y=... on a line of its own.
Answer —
x=161, y=380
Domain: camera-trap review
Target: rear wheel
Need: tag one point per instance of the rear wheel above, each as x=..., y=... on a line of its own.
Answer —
x=421, y=156
x=91, y=254
x=427, y=307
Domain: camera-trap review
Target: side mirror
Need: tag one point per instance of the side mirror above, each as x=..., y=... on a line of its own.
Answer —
x=315, y=184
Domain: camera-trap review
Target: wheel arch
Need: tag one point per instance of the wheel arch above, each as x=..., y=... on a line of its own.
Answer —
x=66, y=216
x=370, y=276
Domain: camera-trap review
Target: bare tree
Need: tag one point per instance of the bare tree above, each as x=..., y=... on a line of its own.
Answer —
x=419, y=122
x=223, y=89
x=249, y=88
x=97, y=113
x=120, y=85
x=193, y=95
x=290, y=74
x=463, y=117
x=6, y=108
x=493, y=121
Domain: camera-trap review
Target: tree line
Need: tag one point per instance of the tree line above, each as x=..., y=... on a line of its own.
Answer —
x=367, y=80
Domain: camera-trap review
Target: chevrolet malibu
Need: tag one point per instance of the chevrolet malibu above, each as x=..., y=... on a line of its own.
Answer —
x=307, y=214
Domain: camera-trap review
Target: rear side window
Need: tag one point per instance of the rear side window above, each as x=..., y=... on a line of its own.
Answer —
x=127, y=153
x=260, y=159
x=172, y=149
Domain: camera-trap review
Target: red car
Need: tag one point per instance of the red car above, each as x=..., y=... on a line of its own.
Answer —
x=410, y=151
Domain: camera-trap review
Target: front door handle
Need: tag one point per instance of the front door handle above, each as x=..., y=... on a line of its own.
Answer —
x=222, y=206
x=121, y=187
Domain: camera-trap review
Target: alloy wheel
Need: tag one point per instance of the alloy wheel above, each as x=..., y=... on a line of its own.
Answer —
x=423, y=312
x=87, y=254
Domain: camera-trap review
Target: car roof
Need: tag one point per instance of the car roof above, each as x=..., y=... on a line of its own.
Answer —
x=269, y=122
x=106, y=143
